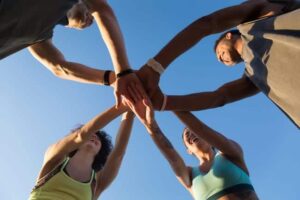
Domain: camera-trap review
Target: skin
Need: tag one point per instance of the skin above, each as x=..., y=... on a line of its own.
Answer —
x=213, y=23
x=199, y=140
x=81, y=16
x=88, y=144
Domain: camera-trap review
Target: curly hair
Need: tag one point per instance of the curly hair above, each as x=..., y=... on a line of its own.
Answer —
x=102, y=155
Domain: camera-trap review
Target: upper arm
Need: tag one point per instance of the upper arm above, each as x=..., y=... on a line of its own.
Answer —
x=230, y=17
x=214, y=138
x=237, y=90
x=63, y=147
x=46, y=53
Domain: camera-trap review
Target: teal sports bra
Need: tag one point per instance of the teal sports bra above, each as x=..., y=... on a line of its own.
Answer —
x=223, y=178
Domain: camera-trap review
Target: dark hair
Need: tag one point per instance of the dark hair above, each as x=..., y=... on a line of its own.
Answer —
x=233, y=32
x=102, y=155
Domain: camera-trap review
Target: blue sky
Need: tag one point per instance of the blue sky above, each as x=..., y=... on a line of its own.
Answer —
x=37, y=108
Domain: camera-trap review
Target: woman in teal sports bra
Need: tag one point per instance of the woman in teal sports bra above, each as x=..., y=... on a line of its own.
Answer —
x=83, y=164
x=220, y=175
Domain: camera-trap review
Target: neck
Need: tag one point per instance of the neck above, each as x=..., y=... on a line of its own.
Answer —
x=80, y=165
x=238, y=45
x=205, y=157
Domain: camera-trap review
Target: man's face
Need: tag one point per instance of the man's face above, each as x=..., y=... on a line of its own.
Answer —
x=79, y=16
x=227, y=54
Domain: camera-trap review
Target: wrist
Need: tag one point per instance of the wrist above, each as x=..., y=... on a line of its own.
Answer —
x=152, y=126
x=124, y=73
x=106, y=77
x=112, y=78
x=155, y=66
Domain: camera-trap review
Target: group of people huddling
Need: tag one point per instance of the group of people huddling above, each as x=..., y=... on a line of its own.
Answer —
x=83, y=164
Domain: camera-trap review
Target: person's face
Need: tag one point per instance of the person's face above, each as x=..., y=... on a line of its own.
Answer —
x=226, y=53
x=79, y=17
x=193, y=142
x=93, y=144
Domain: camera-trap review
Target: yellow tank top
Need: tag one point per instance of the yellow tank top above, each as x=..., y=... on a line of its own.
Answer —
x=63, y=187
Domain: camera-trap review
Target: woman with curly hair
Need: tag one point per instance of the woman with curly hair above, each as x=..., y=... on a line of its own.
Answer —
x=83, y=164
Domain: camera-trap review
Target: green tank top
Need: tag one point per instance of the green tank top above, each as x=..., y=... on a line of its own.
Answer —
x=223, y=178
x=63, y=187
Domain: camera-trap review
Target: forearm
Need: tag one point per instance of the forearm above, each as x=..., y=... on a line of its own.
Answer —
x=114, y=161
x=123, y=136
x=100, y=121
x=82, y=73
x=196, y=101
x=202, y=130
x=166, y=148
x=183, y=41
x=230, y=92
x=111, y=33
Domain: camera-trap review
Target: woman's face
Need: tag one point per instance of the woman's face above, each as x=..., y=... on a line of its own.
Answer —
x=193, y=142
x=93, y=144
x=79, y=16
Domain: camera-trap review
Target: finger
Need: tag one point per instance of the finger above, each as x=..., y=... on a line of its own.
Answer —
x=118, y=99
x=136, y=92
x=140, y=90
x=128, y=103
x=147, y=103
x=128, y=96
x=132, y=94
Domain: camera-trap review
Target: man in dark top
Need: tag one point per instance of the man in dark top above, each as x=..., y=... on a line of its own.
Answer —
x=268, y=44
x=30, y=23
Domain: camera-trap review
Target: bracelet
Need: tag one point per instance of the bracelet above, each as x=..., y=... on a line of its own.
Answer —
x=124, y=73
x=156, y=66
x=163, y=106
x=106, y=77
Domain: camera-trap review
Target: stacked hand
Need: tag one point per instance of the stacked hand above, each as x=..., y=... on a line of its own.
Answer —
x=149, y=78
x=122, y=86
x=143, y=83
x=144, y=111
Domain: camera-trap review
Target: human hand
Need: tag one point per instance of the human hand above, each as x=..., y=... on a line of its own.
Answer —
x=149, y=78
x=144, y=111
x=122, y=86
x=157, y=99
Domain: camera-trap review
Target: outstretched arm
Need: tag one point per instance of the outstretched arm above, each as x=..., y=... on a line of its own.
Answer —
x=111, y=33
x=145, y=113
x=47, y=54
x=111, y=168
x=228, y=147
x=227, y=93
x=216, y=22
x=73, y=141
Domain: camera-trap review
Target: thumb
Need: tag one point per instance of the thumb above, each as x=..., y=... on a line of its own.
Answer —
x=118, y=99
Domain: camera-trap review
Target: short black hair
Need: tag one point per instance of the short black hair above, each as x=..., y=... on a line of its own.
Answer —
x=102, y=155
x=233, y=32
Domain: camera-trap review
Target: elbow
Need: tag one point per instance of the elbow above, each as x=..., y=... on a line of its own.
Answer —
x=100, y=7
x=58, y=69
x=221, y=98
x=80, y=136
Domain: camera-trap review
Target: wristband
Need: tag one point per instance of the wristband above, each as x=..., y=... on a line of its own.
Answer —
x=156, y=66
x=106, y=77
x=163, y=106
x=124, y=73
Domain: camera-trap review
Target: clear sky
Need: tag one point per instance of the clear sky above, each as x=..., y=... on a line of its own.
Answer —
x=37, y=108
